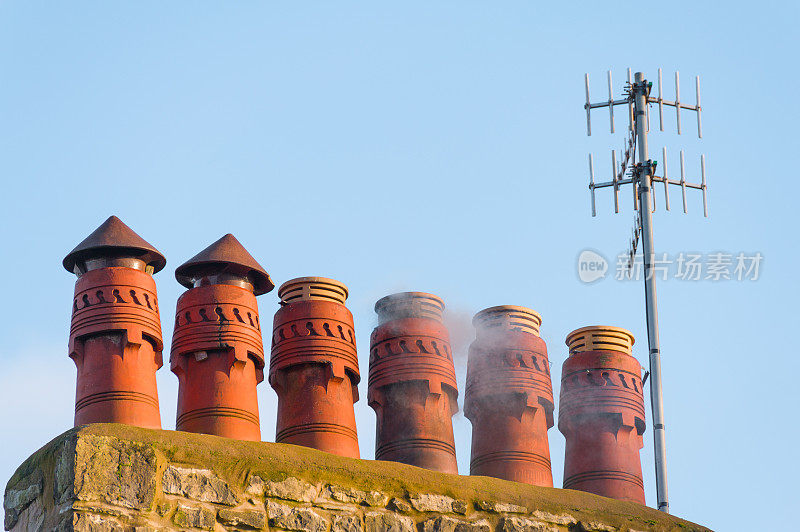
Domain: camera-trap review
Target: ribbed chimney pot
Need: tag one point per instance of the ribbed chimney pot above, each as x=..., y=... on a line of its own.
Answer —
x=115, y=334
x=217, y=352
x=314, y=366
x=509, y=397
x=412, y=384
x=601, y=414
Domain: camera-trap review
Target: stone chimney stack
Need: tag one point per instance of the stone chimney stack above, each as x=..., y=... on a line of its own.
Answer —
x=601, y=414
x=412, y=384
x=217, y=352
x=314, y=366
x=509, y=397
x=115, y=334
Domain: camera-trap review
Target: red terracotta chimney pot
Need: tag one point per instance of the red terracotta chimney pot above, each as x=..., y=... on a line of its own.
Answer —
x=217, y=352
x=314, y=366
x=601, y=414
x=509, y=397
x=412, y=384
x=115, y=334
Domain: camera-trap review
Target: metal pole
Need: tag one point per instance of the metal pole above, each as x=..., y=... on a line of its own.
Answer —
x=645, y=185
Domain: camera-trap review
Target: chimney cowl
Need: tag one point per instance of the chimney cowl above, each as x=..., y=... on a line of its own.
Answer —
x=114, y=244
x=600, y=338
x=508, y=317
x=225, y=261
x=409, y=305
x=313, y=288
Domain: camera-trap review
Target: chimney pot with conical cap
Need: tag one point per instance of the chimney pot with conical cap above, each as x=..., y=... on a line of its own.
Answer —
x=217, y=351
x=115, y=333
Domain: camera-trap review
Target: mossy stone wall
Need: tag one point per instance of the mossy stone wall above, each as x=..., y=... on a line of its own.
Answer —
x=110, y=477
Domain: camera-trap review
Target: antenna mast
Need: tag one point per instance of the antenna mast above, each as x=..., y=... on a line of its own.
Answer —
x=641, y=176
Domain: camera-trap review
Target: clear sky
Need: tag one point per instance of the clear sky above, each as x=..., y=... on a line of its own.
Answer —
x=431, y=146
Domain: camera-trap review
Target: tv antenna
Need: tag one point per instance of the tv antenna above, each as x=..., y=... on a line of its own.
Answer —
x=635, y=168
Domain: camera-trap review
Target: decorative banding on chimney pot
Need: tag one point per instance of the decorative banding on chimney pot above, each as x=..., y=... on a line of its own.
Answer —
x=601, y=414
x=217, y=352
x=412, y=384
x=314, y=366
x=115, y=332
x=509, y=397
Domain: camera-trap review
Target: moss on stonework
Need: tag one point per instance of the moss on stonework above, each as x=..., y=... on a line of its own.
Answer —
x=236, y=461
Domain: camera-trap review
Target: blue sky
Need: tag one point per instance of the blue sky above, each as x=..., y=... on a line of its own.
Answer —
x=424, y=146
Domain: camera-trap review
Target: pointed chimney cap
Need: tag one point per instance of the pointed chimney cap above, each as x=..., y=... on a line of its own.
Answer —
x=114, y=238
x=226, y=255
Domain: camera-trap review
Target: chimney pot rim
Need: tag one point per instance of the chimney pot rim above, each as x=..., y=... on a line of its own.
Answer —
x=599, y=331
x=407, y=296
x=409, y=304
x=506, y=309
x=343, y=291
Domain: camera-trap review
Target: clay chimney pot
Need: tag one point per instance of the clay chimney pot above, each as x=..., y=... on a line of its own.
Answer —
x=217, y=351
x=314, y=366
x=601, y=414
x=115, y=333
x=509, y=396
x=412, y=384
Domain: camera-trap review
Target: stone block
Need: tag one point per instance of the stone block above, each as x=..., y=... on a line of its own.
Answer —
x=18, y=498
x=387, y=522
x=399, y=505
x=593, y=526
x=293, y=518
x=30, y=518
x=290, y=489
x=194, y=517
x=242, y=518
x=197, y=484
x=500, y=507
x=429, y=502
x=113, y=471
x=85, y=522
x=563, y=519
x=445, y=523
x=523, y=524
x=355, y=496
x=347, y=523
